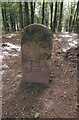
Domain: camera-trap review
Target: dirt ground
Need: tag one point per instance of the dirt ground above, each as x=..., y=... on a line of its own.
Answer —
x=59, y=99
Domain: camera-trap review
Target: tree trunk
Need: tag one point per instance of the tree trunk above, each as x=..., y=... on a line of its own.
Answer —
x=46, y=14
x=43, y=13
x=27, y=20
x=4, y=17
x=77, y=18
x=70, y=20
x=66, y=25
x=12, y=18
x=20, y=16
x=73, y=22
x=60, y=19
x=55, y=18
x=32, y=11
x=51, y=8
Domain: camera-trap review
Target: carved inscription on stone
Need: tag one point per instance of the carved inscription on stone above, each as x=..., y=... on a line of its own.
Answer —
x=32, y=66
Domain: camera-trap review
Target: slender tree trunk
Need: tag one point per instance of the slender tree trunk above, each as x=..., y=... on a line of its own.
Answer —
x=32, y=4
x=77, y=18
x=60, y=19
x=70, y=23
x=46, y=19
x=11, y=21
x=20, y=16
x=43, y=13
x=51, y=8
x=70, y=20
x=4, y=17
x=27, y=20
x=66, y=24
x=14, y=23
x=58, y=14
x=55, y=18
x=12, y=18
x=73, y=22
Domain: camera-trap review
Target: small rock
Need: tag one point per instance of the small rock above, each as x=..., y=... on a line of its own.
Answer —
x=5, y=66
x=70, y=98
x=64, y=93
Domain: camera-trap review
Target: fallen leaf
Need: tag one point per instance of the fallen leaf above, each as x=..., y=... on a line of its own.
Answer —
x=37, y=115
x=18, y=77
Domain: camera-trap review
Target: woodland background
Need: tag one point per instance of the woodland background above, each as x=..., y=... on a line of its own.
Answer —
x=58, y=16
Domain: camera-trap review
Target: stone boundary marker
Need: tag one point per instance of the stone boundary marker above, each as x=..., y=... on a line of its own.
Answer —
x=36, y=47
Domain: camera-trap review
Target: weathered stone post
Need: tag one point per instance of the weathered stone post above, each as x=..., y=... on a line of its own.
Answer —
x=36, y=47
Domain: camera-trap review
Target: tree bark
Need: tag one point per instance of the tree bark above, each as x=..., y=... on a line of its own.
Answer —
x=70, y=20
x=43, y=13
x=77, y=18
x=4, y=17
x=51, y=8
x=73, y=22
x=12, y=18
x=20, y=16
x=32, y=4
x=55, y=18
x=27, y=20
x=60, y=19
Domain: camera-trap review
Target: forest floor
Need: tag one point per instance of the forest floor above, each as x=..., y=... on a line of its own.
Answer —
x=59, y=99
